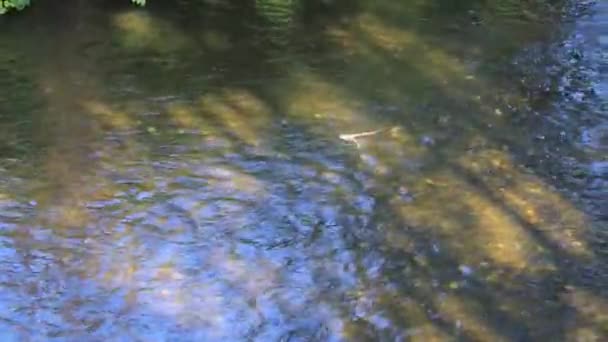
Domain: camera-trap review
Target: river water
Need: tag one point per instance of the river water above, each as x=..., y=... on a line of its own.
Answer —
x=304, y=171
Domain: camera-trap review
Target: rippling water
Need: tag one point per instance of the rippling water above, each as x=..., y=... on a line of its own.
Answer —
x=303, y=171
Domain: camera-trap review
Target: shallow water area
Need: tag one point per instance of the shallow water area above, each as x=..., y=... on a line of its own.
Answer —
x=303, y=171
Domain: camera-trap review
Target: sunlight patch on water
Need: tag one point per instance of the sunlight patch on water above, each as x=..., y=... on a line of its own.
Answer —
x=307, y=97
x=527, y=198
x=216, y=40
x=141, y=31
x=499, y=236
x=591, y=312
x=110, y=118
x=184, y=116
x=234, y=181
x=468, y=318
x=498, y=212
x=476, y=228
x=236, y=113
x=376, y=38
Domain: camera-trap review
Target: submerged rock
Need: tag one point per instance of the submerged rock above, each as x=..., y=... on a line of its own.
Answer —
x=599, y=169
x=596, y=137
x=465, y=270
x=427, y=140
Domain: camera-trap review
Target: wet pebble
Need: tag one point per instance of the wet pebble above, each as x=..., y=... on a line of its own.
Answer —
x=427, y=140
x=443, y=120
x=436, y=248
x=103, y=204
x=596, y=188
x=11, y=215
x=599, y=168
x=369, y=160
x=144, y=195
x=405, y=194
x=579, y=173
x=578, y=96
x=465, y=270
x=596, y=137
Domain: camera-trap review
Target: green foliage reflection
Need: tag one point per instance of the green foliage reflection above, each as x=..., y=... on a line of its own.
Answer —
x=6, y=5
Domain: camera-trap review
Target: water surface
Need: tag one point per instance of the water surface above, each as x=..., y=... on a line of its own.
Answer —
x=184, y=171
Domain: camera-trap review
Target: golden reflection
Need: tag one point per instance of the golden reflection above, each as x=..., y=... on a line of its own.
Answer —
x=74, y=165
x=499, y=235
x=467, y=315
x=382, y=54
x=388, y=38
x=491, y=211
x=308, y=97
x=591, y=312
x=238, y=114
x=370, y=36
x=216, y=40
x=107, y=116
x=404, y=309
x=530, y=200
x=140, y=30
x=228, y=179
x=422, y=328
x=474, y=227
x=184, y=116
